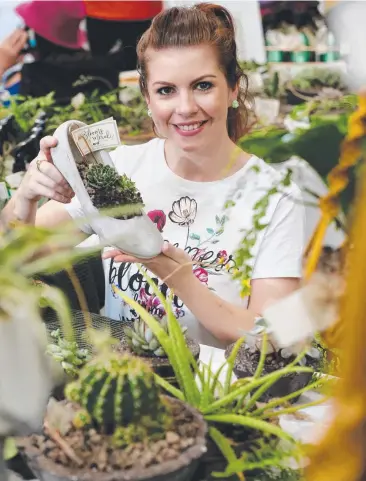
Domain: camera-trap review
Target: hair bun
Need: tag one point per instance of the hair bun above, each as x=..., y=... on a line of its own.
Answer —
x=218, y=11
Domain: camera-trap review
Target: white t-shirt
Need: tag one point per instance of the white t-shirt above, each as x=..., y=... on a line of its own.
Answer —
x=191, y=215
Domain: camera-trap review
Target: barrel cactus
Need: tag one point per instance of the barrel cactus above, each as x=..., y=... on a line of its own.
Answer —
x=116, y=392
x=141, y=339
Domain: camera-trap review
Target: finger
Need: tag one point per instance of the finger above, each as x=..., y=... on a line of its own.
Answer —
x=20, y=39
x=44, y=191
x=119, y=256
x=46, y=145
x=174, y=253
x=48, y=169
x=48, y=182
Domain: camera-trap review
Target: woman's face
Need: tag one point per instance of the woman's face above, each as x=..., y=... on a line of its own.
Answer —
x=188, y=96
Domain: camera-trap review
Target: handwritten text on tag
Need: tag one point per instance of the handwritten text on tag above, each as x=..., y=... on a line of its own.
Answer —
x=98, y=136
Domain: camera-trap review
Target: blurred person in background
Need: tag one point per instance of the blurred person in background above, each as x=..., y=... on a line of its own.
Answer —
x=109, y=22
x=11, y=49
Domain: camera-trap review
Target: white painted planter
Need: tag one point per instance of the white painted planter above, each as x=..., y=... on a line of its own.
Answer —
x=137, y=236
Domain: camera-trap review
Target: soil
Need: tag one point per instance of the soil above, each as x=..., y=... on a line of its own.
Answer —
x=246, y=364
x=98, y=454
x=161, y=365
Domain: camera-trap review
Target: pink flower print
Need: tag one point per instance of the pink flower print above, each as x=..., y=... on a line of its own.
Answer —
x=201, y=274
x=159, y=218
x=151, y=303
x=221, y=257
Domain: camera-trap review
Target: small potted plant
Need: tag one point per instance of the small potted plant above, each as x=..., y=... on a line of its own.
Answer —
x=308, y=83
x=116, y=424
x=242, y=435
x=140, y=340
x=259, y=355
x=330, y=105
x=92, y=175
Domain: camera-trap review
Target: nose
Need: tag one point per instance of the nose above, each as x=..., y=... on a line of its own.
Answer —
x=187, y=104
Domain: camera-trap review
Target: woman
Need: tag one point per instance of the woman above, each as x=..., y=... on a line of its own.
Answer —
x=192, y=83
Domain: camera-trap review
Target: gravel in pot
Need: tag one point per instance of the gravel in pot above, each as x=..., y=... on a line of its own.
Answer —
x=173, y=458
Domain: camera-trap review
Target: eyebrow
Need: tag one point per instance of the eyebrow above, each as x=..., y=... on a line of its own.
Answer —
x=160, y=82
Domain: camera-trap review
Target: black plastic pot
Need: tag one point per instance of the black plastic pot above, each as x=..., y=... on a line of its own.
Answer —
x=284, y=386
x=244, y=440
x=180, y=469
x=293, y=99
x=18, y=465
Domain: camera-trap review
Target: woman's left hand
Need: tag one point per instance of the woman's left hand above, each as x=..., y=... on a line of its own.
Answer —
x=172, y=264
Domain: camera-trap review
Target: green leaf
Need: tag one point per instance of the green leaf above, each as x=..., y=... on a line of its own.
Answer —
x=183, y=356
x=249, y=422
x=169, y=387
x=229, y=398
x=210, y=231
x=195, y=236
x=230, y=364
x=223, y=444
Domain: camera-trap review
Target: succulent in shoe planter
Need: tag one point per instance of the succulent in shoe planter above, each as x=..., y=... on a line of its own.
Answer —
x=257, y=354
x=116, y=424
x=139, y=340
x=82, y=157
x=106, y=188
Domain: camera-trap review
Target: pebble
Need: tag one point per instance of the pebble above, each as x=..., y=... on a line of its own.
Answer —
x=172, y=437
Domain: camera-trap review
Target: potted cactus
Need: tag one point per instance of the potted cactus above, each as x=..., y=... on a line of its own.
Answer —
x=140, y=340
x=259, y=355
x=116, y=424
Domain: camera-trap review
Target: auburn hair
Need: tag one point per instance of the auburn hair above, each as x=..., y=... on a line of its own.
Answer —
x=201, y=24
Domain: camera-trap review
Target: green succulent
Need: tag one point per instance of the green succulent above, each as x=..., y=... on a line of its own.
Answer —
x=141, y=339
x=100, y=176
x=68, y=353
x=107, y=188
x=116, y=392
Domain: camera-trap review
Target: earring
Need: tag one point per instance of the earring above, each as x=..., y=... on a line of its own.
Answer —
x=149, y=113
x=235, y=104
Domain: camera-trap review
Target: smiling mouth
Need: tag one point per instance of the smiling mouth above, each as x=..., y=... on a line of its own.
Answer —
x=190, y=127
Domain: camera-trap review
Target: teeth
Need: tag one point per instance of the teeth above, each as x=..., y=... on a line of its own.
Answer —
x=190, y=127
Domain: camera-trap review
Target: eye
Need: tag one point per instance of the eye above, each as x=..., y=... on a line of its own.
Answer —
x=165, y=90
x=204, y=86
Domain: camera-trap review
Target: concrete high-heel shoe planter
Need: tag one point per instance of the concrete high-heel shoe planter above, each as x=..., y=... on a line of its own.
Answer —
x=137, y=236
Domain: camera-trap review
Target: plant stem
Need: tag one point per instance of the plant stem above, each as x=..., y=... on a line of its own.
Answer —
x=81, y=297
x=283, y=400
x=262, y=358
x=293, y=409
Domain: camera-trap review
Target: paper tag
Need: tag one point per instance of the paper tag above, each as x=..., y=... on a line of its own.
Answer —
x=98, y=136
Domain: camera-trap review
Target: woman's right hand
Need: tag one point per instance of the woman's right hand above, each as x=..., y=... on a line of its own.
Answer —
x=43, y=179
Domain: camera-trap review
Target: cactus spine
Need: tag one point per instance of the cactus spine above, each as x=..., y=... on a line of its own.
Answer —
x=118, y=391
